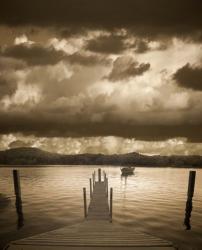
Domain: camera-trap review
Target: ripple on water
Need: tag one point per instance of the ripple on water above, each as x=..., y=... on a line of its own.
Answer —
x=152, y=200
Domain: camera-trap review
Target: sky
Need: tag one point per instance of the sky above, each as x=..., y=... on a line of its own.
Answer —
x=86, y=76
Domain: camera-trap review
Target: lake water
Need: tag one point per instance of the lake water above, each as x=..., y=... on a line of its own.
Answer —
x=153, y=200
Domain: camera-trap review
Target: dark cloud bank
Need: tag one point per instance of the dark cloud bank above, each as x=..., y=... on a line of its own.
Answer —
x=189, y=77
x=41, y=123
x=38, y=55
x=148, y=18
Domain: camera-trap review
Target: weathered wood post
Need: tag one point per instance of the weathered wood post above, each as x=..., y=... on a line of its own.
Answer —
x=105, y=177
x=16, y=180
x=106, y=186
x=85, y=202
x=191, y=185
x=111, y=201
x=190, y=193
x=91, y=190
x=93, y=178
x=18, y=200
x=99, y=174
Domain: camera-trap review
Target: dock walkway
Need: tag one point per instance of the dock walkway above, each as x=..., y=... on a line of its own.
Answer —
x=98, y=208
x=96, y=231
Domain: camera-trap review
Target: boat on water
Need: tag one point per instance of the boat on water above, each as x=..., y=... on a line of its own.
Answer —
x=127, y=170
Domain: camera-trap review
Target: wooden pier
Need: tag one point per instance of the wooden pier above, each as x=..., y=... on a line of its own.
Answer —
x=96, y=231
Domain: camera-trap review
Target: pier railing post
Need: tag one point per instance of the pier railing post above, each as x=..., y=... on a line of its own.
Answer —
x=191, y=185
x=111, y=201
x=85, y=202
x=190, y=193
x=99, y=174
x=93, y=179
x=91, y=190
x=105, y=177
x=16, y=180
x=18, y=199
x=106, y=186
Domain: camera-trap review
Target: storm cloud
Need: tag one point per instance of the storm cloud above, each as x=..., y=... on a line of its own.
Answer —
x=126, y=67
x=189, y=77
x=107, y=44
x=101, y=69
x=7, y=86
x=34, y=54
x=153, y=18
x=52, y=124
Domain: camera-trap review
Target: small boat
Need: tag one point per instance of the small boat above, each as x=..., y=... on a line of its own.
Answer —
x=127, y=170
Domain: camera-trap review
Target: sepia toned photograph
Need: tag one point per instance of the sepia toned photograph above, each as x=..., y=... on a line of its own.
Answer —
x=100, y=124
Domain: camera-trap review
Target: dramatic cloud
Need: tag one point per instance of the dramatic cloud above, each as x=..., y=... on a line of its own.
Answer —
x=189, y=77
x=156, y=17
x=33, y=54
x=126, y=67
x=101, y=71
x=50, y=54
x=104, y=145
x=7, y=86
x=141, y=46
x=113, y=44
x=8, y=64
x=71, y=99
x=88, y=60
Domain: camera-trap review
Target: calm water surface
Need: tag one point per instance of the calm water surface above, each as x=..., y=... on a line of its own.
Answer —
x=153, y=200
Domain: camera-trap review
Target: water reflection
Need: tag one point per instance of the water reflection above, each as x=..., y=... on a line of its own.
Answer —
x=124, y=178
x=187, y=218
x=19, y=211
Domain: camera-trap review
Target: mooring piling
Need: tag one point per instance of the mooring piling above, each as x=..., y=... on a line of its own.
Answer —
x=16, y=181
x=106, y=186
x=190, y=194
x=111, y=201
x=85, y=202
x=18, y=199
x=191, y=185
x=99, y=174
x=93, y=177
x=91, y=189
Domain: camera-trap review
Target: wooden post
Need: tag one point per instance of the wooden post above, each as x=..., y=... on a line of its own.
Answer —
x=93, y=177
x=190, y=193
x=106, y=187
x=16, y=180
x=191, y=185
x=111, y=199
x=91, y=190
x=85, y=202
x=99, y=174
x=105, y=178
x=18, y=200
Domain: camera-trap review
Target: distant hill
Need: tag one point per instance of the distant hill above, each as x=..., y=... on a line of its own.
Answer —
x=35, y=156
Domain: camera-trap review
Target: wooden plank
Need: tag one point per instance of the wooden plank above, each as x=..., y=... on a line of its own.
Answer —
x=98, y=208
x=94, y=234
